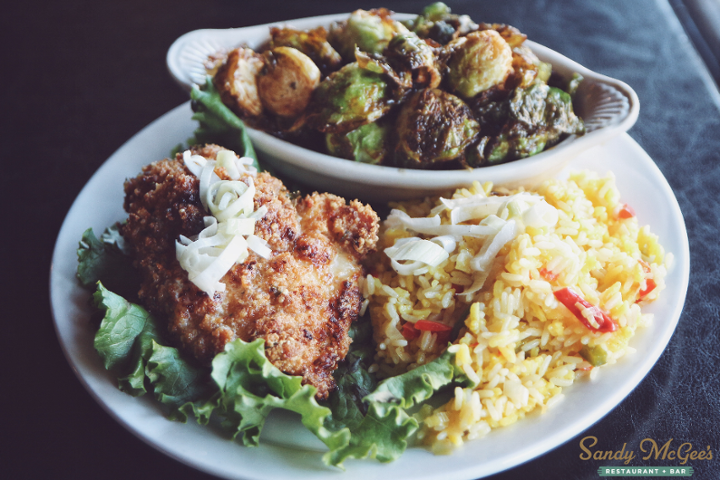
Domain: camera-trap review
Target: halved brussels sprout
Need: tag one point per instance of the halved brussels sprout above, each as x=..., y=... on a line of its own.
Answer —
x=236, y=81
x=312, y=43
x=433, y=126
x=286, y=83
x=478, y=61
x=407, y=51
x=370, y=31
x=367, y=144
x=349, y=98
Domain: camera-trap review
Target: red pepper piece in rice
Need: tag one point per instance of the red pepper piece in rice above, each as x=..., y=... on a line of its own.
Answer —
x=570, y=299
x=409, y=331
x=443, y=331
x=650, y=284
x=625, y=211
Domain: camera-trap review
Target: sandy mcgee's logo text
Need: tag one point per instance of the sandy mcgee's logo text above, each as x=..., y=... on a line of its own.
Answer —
x=651, y=450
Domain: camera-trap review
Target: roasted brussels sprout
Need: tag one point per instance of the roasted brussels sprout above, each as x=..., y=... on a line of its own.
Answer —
x=477, y=62
x=370, y=31
x=544, y=106
x=367, y=144
x=532, y=119
x=559, y=114
x=436, y=11
x=349, y=98
x=440, y=25
x=408, y=52
x=433, y=126
x=527, y=105
x=236, y=81
x=312, y=43
x=286, y=83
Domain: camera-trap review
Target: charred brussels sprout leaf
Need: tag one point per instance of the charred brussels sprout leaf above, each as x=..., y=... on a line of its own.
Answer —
x=439, y=24
x=408, y=52
x=367, y=144
x=349, y=98
x=370, y=31
x=401, y=81
x=433, y=127
x=512, y=35
x=527, y=68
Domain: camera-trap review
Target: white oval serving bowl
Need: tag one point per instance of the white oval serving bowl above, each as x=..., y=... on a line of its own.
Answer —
x=607, y=106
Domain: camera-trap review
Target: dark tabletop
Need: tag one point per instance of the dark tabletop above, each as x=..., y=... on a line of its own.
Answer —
x=81, y=77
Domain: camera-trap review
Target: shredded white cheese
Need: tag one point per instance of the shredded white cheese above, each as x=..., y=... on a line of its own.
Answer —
x=497, y=219
x=418, y=251
x=229, y=232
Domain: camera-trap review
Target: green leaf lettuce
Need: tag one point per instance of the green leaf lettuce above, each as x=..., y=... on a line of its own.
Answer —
x=128, y=343
x=104, y=260
x=218, y=124
x=251, y=387
x=380, y=424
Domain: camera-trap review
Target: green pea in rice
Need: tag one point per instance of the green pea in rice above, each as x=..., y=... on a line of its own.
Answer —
x=518, y=342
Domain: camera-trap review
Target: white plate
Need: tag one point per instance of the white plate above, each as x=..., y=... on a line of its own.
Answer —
x=287, y=449
x=607, y=106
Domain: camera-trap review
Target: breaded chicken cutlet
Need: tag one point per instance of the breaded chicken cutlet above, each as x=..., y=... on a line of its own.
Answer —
x=301, y=300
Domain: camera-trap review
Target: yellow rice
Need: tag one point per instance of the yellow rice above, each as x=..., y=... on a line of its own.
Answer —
x=518, y=342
